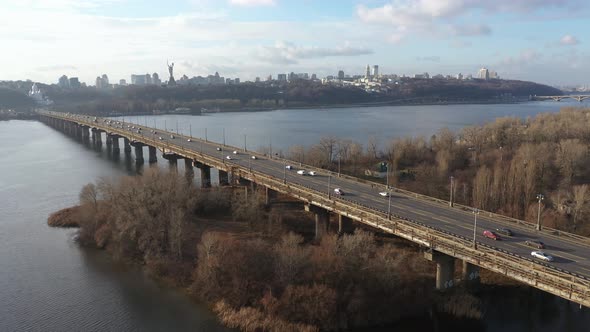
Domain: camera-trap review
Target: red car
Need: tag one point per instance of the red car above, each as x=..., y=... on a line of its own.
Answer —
x=491, y=235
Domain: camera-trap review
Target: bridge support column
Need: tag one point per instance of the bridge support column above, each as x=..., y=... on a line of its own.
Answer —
x=153, y=158
x=223, y=178
x=269, y=194
x=445, y=269
x=85, y=134
x=322, y=222
x=126, y=145
x=344, y=224
x=205, y=175
x=189, y=172
x=470, y=273
x=322, y=219
x=139, y=154
x=114, y=141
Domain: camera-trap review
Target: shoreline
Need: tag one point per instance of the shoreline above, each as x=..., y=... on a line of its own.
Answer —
x=339, y=106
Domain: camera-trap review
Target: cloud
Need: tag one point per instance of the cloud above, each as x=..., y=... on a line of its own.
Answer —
x=432, y=58
x=56, y=68
x=568, y=40
x=447, y=17
x=251, y=3
x=471, y=30
x=288, y=53
x=525, y=58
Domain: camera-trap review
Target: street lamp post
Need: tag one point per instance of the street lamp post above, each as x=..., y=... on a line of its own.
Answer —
x=190, y=128
x=177, y=128
x=329, y=184
x=540, y=197
x=451, y=193
x=387, y=175
x=206, y=135
x=245, y=147
x=223, y=136
x=285, y=172
x=339, y=157
x=475, y=213
x=388, y=205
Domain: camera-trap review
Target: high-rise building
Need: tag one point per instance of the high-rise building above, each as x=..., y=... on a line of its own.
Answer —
x=74, y=83
x=375, y=70
x=156, y=79
x=105, y=80
x=99, y=84
x=63, y=82
x=494, y=75
x=257, y=80
x=314, y=77
x=281, y=77
x=368, y=72
x=122, y=82
x=138, y=79
x=237, y=80
x=148, y=79
x=341, y=74
x=459, y=76
x=483, y=74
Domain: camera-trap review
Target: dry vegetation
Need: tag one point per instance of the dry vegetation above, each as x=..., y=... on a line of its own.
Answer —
x=255, y=280
x=500, y=166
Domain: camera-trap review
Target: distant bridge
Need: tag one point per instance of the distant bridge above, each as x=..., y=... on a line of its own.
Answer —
x=446, y=230
x=579, y=98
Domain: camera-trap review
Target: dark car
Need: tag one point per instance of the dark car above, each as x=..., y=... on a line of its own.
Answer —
x=535, y=244
x=491, y=235
x=504, y=231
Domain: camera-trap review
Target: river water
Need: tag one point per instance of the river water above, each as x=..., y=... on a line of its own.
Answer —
x=48, y=283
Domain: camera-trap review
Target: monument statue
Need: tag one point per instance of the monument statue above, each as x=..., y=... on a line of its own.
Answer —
x=171, y=81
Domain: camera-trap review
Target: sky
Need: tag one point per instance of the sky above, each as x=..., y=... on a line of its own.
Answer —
x=545, y=41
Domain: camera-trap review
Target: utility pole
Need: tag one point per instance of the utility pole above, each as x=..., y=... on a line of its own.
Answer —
x=223, y=136
x=285, y=172
x=339, y=157
x=475, y=213
x=245, y=149
x=540, y=197
x=206, y=135
x=190, y=128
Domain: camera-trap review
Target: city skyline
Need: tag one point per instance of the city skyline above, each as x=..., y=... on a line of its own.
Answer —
x=536, y=40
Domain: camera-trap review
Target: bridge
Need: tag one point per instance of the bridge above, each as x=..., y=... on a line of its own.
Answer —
x=448, y=232
x=579, y=98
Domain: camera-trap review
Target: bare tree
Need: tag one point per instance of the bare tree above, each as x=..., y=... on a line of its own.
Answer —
x=580, y=198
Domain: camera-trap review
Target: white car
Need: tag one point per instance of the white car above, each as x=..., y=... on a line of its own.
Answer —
x=189, y=140
x=301, y=172
x=160, y=138
x=235, y=152
x=254, y=157
x=312, y=173
x=289, y=167
x=218, y=149
x=172, y=136
x=384, y=194
x=542, y=255
x=338, y=191
x=228, y=157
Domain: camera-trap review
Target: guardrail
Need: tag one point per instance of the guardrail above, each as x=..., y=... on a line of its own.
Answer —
x=551, y=279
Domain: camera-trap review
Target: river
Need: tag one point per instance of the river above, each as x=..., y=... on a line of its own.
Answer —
x=49, y=283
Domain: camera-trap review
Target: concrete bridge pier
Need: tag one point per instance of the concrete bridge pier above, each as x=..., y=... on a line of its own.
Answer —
x=189, y=172
x=172, y=160
x=344, y=224
x=470, y=273
x=205, y=174
x=153, y=157
x=139, y=154
x=126, y=145
x=445, y=269
x=114, y=141
x=223, y=178
x=85, y=134
x=269, y=195
x=322, y=220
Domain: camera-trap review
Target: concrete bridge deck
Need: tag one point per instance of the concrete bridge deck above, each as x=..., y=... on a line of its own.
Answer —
x=425, y=220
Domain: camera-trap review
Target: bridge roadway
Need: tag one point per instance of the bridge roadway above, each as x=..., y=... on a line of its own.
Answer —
x=571, y=267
